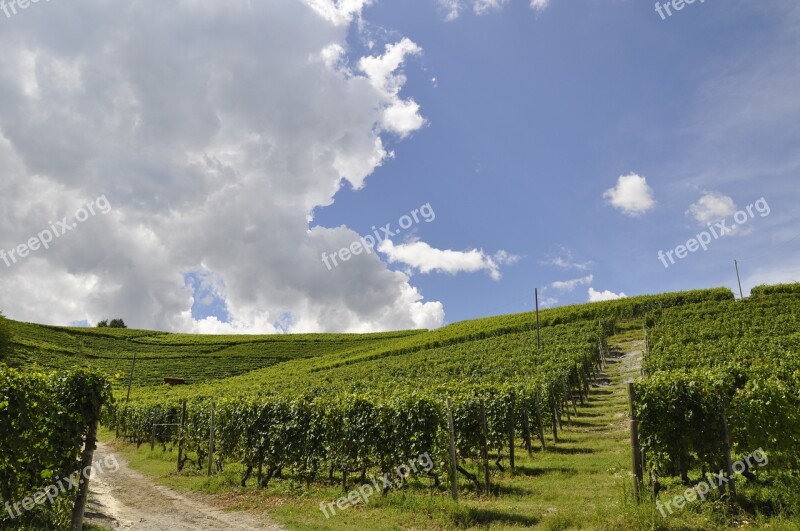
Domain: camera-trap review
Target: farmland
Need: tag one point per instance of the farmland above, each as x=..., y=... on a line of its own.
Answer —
x=302, y=418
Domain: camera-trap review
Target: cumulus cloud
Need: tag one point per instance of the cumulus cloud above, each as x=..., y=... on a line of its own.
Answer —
x=570, y=285
x=421, y=256
x=598, y=296
x=399, y=116
x=632, y=195
x=215, y=130
x=712, y=206
x=338, y=12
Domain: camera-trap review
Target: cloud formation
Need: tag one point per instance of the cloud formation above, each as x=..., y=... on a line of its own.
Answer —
x=598, y=296
x=712, y=206
x=211, y=164
x=570, y=285
x=632, y=195
x=426, y=259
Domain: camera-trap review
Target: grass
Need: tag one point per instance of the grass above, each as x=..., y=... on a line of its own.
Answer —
x=582, y=482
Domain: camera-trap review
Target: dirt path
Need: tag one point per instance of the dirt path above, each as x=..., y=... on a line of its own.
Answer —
x=126, y=499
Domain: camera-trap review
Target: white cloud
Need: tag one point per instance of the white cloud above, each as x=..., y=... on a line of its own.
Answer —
x=454, y=8
x=561, y=257
x=712, y=206
x=597, y=296
x=338, y=12
x=208, y=162
x=539, y=5
x=421, y=256
x=482, y=6
x=400, y=116
x=548, y=302
x=570, y=285
x=632, y=195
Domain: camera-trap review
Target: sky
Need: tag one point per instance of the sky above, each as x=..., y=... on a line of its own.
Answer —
x=350, y=166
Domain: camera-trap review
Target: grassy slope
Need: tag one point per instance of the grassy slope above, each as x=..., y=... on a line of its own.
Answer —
x=580, y=483
x=159, y=355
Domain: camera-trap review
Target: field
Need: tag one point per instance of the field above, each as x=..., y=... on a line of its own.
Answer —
x=301, y=420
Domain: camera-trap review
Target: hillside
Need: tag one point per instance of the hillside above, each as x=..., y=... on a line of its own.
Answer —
x=540, y=418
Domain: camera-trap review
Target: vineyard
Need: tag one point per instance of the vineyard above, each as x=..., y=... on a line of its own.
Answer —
x=45, y=420
x=348, y=413
x=723, y=379
x=161, y=355
x=720, y=378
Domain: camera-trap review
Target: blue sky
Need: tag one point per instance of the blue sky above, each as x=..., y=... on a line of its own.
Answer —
x=561, y=145
x=534, y=114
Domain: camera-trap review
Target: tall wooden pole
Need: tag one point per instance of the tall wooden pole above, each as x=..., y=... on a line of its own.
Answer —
x=89, y=446
x=538, y=333
x=211, y=441
x=728, y=461
x=130, y=380
x=738, y=278
x=453, y=459
x=485, y=448
x=636, y=454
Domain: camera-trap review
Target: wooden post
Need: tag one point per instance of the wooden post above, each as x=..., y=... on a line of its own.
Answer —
x=89, y=447
x=511, y=432
x=211, y=441
x=556, y=412
x=555, y=418
x=153, y=437
x=739, y=279
x=636, y=455
x=728, y=461
x=453, y=459
x=538, y=331
x=180, y=436
x=539, y=420
x=485, y=448
x=526, y=426
x=130, y=380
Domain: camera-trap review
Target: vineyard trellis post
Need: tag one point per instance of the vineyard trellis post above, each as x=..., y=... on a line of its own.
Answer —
x=485, y=447
x=636, y=453
x=211, y=441
x=511, y=432
x=86, y=463
x=180, y=435
x=739, y=279
x=526, y=426
x=555, y=418
x=130, y=379
x=539, y=422
x=728, y=460
x=538, y=327
x=453, y=459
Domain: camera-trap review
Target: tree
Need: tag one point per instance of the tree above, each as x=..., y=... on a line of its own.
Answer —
x=114, y=323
